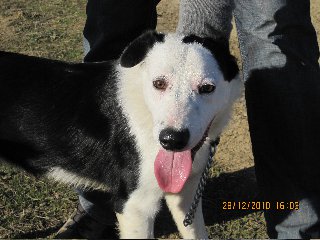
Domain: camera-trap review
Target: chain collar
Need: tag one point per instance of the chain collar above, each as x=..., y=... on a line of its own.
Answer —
x=203, y=180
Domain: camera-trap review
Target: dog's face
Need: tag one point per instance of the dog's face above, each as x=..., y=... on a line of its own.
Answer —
x=184, y=89
x=186, y=84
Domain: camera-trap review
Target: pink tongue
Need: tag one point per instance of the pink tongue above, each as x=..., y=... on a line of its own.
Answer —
x=172, y=169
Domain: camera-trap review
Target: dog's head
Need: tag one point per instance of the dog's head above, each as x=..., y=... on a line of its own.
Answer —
x=186, y=84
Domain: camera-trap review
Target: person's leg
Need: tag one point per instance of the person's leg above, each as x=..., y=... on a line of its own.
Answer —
x=205, y=18
x=110, y=26
x=93, y=218
x=280, y=64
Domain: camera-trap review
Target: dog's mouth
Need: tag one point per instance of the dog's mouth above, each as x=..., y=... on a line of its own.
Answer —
x=199, y=145
x=172, y=169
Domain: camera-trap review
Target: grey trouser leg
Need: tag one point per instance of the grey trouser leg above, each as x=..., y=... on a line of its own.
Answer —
x=205, y=18
x=110, y=26
x=280, y=63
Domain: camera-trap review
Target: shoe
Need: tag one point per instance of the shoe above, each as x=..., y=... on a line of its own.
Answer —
x=81, y=225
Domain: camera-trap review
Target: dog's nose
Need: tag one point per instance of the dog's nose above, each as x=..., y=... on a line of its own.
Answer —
x=171, y=139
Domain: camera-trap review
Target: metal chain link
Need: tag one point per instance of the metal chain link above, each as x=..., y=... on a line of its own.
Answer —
x=203, y=180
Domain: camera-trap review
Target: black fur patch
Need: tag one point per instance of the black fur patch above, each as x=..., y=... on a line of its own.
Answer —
x=55, y=114
x=138, y=49
x=220, y=50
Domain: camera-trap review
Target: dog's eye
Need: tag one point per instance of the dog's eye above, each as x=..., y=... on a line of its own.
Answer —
x=206, y=88
x=160, y=84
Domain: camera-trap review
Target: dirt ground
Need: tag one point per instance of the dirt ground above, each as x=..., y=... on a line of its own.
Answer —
x=32, y=208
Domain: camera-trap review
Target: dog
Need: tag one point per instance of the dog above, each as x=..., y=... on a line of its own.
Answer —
x=138, y=127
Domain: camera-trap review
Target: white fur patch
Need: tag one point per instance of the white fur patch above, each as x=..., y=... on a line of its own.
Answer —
x=185, y=66
x=74, y=180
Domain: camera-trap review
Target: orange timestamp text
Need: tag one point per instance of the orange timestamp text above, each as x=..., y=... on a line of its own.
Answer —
x=260, y=205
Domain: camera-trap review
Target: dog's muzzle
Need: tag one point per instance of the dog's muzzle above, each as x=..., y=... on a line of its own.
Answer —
x=173, y=165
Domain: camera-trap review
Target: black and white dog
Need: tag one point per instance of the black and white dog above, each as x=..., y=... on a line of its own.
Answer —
x=139, y=128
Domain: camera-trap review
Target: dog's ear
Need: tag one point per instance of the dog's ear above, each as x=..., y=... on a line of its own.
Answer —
x=220, y=50
x=138, y=49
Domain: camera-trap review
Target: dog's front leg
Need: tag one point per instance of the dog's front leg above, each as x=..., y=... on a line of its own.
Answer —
x=135, y=225
x=137, y=218
x=179, y=205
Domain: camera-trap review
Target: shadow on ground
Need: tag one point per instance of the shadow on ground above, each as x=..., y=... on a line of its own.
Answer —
x=38, y=234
